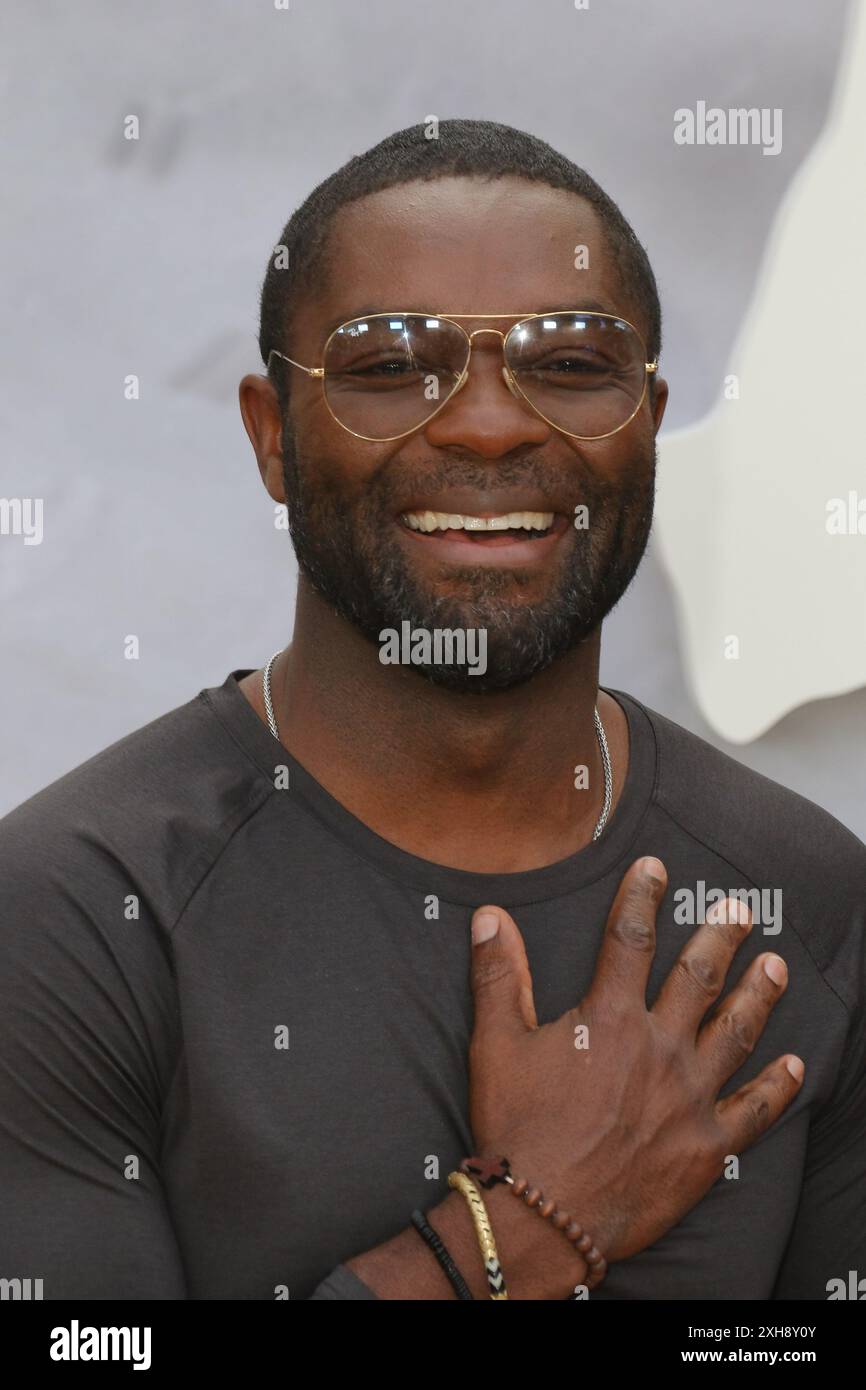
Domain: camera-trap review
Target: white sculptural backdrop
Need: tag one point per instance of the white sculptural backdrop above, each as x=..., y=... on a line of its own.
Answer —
x=761, y=511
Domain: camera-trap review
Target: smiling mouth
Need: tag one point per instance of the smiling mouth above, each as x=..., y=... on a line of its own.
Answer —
x=503, y=529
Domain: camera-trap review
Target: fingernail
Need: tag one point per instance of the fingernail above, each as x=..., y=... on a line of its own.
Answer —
x=795, y=1067
x=776, y=968
x=484, y=926
x=654, y=870
x=729, y=910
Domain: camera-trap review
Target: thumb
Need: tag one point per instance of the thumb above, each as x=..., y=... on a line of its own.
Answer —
x=500, y=978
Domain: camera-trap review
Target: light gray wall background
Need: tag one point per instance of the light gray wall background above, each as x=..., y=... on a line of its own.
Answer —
x=146, y=257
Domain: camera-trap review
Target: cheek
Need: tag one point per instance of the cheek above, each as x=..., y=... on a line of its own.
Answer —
x=331, y=460
x=630, y=454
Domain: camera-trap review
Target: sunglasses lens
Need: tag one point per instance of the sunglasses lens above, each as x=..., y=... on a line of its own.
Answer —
x=585, y=374
x=388, y=373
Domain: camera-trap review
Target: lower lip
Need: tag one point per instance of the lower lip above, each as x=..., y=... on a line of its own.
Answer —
x=458, y=547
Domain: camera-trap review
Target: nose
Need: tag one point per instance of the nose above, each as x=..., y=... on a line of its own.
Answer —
x=485, y=413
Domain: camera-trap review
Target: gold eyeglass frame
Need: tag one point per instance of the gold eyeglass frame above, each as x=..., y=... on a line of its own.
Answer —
x=510, y=382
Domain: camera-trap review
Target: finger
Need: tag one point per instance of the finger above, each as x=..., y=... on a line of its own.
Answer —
x=730, y=1036
x=698, y=974
x=629, y=941
x=500, y=978
x=751, y=1110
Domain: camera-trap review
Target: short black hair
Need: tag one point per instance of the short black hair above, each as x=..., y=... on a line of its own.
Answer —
x=482, y=149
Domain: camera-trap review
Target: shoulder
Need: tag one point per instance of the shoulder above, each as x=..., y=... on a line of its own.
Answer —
x=773, y=837
x=150, y=813
x=728, y=803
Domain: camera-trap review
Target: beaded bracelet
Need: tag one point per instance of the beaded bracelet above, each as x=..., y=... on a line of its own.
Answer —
x=484, y=1232
x=440, y=1250
x=490, y=1171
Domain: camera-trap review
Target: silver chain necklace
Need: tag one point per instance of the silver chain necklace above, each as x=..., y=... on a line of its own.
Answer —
x=599, y=730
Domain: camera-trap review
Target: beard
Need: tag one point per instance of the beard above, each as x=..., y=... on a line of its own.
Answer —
x=349, y=553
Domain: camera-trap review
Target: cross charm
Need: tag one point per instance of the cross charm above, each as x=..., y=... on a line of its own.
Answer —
x=487, y=1170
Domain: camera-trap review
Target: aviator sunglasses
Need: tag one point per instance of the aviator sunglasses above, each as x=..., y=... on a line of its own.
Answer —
x=386, y=375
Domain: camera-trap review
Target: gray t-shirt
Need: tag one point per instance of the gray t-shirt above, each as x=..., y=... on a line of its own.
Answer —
x=234, y=1021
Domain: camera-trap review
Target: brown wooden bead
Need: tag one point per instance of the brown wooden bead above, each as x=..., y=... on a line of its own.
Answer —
x=596, y=1264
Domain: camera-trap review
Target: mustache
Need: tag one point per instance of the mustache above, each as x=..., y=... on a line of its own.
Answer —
x=574, y=479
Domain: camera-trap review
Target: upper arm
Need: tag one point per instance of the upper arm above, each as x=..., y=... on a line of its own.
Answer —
x=88, y=1039
x=828, y=1239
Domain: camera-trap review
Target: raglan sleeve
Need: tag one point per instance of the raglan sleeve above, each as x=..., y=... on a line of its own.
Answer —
x=88, y=1041
x=828, y=1240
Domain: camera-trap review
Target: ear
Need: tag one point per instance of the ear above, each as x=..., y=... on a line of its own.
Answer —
x=260, y=412
x=658, y=399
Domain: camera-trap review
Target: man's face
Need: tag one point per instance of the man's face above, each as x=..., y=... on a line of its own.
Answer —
x=464, y=246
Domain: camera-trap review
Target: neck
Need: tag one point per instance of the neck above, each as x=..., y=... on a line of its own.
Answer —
x=478, y=782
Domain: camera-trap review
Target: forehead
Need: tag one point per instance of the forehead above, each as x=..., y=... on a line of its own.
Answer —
x=466, y=245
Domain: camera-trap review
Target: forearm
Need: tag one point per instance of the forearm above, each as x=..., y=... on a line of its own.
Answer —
x=537, y=1261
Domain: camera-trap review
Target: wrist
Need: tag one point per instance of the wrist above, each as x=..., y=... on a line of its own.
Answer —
x=544, y=1263
x=537, y=1261
x=550, y=1210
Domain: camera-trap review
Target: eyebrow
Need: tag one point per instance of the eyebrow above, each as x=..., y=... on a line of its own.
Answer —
x=592, y=305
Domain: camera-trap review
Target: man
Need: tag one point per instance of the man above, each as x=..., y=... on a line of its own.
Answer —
x=246, y=1029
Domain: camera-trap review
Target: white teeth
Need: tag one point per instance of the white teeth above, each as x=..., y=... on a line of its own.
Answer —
x=450, y=521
